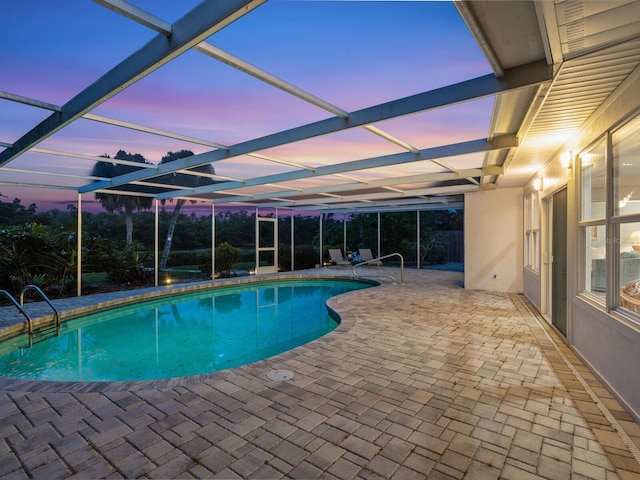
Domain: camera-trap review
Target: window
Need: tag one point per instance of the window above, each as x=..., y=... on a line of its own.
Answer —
x=610, y=217
x=594, y=191
x=532, y=231
x=596, y=278
x=625, y=144
x=593, y=213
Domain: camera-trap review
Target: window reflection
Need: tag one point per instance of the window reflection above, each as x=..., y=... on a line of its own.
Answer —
x=596, y=265
x=593, y=182
x=626, y=198
x=626, y=165
x=630, y=266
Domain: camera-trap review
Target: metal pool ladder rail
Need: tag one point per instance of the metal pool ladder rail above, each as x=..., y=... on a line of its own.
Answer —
x=18, y=306
x=46, y=299
x=353, y=268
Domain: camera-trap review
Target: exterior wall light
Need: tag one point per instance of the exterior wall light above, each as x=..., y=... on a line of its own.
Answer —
x=565, y=160
x=537, y=184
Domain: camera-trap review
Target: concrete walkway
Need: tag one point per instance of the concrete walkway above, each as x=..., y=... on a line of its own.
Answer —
x=426, y=380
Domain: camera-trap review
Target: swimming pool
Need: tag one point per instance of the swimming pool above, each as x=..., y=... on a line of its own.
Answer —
x=180, y=336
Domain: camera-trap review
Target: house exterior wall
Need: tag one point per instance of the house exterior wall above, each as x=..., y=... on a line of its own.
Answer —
x=611, y=349
x=493, y=240
x=604, y=337
x=532, y=287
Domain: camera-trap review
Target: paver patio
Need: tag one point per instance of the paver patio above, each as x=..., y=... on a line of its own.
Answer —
x=425, y=380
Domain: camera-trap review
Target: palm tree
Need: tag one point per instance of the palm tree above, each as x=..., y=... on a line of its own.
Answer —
x=187, y=181
x=112, y=202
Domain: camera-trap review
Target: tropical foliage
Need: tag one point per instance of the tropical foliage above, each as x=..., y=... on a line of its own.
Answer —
x=33, y=254
x=128, y=264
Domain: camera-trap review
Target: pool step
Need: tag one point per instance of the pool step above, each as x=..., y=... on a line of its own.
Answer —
x=41, y=334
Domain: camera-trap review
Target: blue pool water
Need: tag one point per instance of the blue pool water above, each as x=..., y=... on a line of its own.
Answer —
x=180, y=336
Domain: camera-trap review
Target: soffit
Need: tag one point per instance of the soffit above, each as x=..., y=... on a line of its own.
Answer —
x=594, y=46
x=580, y=87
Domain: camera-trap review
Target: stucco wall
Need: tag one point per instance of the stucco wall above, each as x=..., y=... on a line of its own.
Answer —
x=493, y=240
x=532, y=287
x=609, y=347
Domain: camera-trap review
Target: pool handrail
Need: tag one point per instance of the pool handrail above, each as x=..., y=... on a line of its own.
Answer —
x=46, y=299
x=18, y=306
x=353, y=267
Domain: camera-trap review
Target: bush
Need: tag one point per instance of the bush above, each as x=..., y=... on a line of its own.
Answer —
x=128, y=265
x=124, y=265
x=34, y=254
x=226, y=258
x=204, y=262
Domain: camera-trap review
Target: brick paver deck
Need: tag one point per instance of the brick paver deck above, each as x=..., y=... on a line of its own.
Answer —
x=425, y=380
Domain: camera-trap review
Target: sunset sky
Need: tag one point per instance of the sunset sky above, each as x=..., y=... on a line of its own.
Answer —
x=351, y=54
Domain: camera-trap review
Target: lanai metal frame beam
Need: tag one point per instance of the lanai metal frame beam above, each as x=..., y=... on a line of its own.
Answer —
x=473, y=146
x=518, y=77
x=376, y=197
x=379, y=183
x=201, y=22
x=212, y=51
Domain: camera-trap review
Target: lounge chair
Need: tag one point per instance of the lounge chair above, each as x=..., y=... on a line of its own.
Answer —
x=337, y=259
x=366, y=255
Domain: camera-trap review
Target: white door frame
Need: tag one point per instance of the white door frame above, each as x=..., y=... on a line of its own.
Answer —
x=268, y=248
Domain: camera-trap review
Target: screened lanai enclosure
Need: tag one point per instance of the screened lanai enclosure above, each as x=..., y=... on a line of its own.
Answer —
x=277, y=240
x=342, y=169
x=288, y=240
x=305, y=108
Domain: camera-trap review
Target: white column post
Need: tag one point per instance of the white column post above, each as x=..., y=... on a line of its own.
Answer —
x=213, y=241
x=379, y=247
x=418, y=239
x=156, y=273
x=321, y=256
x=79, y=249
x=344, y=234
x=293, y=246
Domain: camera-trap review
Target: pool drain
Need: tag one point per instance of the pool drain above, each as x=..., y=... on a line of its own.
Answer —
x=280, y=375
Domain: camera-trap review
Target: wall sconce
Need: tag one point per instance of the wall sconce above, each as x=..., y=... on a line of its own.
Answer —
x=565, y=160
x=537, y=184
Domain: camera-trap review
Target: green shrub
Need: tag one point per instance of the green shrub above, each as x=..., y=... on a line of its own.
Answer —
x=124, y=264
x=226, y=258
x=204, y=262
x=34, y=254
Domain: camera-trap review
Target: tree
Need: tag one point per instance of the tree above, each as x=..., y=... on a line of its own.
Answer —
x=117, y=203
x=15, y=213
x=236, y=227
x=187, y=181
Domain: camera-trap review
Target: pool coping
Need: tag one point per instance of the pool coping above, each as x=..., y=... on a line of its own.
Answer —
x=346, y=321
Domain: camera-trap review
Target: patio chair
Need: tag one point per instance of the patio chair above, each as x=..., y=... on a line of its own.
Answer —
x=366, y=255
x=337, y=259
